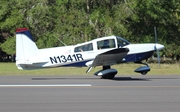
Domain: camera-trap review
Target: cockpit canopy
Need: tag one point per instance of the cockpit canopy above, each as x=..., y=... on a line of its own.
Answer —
x=102, y=43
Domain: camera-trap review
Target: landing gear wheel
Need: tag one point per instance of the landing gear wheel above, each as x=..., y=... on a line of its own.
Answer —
x=108, y=77
x=143, y=73
x=143, y=70
x=106, y=74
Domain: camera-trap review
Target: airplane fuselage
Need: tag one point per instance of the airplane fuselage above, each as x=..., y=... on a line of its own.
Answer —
x=105, y=51
x=69, y=56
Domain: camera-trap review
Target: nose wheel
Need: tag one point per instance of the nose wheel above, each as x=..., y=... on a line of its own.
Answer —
x=143, y=69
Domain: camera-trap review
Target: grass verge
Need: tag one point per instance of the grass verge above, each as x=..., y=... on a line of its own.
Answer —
x=10, y=69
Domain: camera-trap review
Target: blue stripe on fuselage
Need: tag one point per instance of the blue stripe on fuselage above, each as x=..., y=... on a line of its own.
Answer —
x=139, y=56
x=78, y=64
x=129, y=58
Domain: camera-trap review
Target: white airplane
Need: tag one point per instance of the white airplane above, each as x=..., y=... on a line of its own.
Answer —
x=105, y=52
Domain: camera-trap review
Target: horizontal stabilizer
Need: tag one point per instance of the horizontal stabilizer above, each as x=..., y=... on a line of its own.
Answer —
x=29, y=65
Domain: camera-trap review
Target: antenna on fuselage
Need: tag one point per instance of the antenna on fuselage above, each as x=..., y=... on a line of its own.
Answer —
x=156, y=41
x=62, y=42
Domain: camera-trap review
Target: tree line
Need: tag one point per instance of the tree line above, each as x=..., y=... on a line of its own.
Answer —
x=76, y=21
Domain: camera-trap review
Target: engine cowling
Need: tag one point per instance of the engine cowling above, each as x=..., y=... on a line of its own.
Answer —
x=106, y=74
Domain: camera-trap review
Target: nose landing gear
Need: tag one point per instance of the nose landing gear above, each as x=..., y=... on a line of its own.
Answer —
x=143, y=69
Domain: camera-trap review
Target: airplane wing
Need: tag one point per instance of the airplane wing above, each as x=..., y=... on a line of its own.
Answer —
x=111, y=57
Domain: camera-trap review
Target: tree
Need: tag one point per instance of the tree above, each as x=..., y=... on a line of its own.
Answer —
x=79, y=21
x=75, y=21
x=34, y=14
x=162, y=14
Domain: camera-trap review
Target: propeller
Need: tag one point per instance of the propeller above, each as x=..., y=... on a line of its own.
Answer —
x=157, y=51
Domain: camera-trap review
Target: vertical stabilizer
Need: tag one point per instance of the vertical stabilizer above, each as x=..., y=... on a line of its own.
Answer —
x=25, y=46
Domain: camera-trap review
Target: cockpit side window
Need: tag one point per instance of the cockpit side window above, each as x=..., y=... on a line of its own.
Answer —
x=104, y=44
x=122, y=42
x=82, y=48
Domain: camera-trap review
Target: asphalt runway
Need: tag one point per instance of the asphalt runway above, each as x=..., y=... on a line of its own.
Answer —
x=135, y=93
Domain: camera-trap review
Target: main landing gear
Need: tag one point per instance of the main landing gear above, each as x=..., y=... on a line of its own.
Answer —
x=106, y=73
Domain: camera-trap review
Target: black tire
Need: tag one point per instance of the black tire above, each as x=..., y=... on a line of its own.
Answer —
x=143, y=73
x=108, y=76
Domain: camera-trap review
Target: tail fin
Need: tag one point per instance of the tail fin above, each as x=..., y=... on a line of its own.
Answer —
x=25, y=46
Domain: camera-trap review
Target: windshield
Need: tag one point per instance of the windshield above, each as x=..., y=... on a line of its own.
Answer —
x=122, y=42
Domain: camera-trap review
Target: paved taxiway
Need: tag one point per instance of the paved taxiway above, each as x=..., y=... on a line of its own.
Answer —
x=90, y=94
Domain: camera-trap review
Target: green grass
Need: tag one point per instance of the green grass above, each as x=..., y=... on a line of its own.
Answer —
x=10, y=69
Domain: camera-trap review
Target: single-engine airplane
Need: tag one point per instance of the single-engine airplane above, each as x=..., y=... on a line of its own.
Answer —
x=105, y=52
